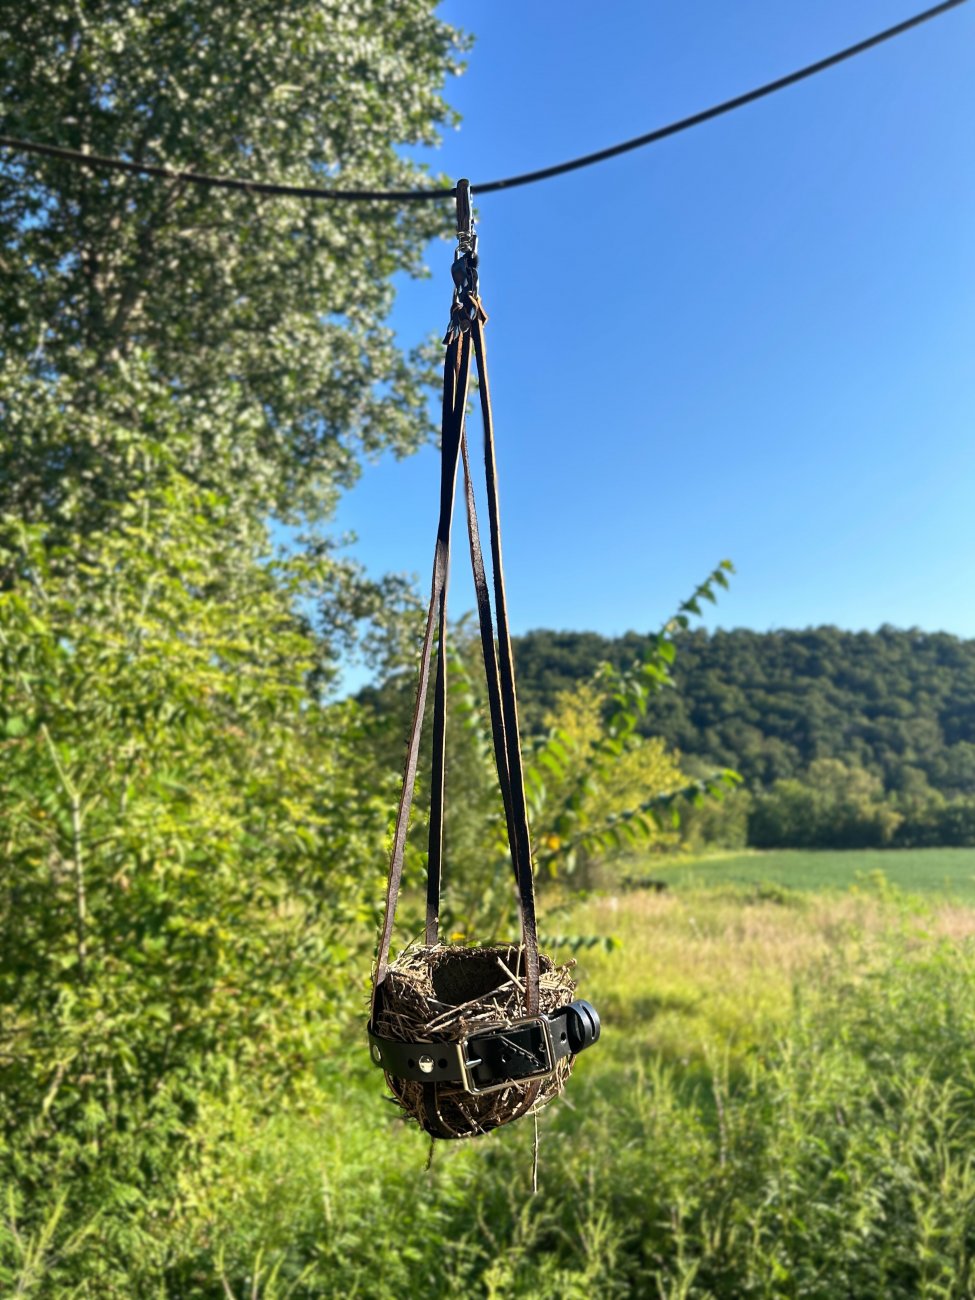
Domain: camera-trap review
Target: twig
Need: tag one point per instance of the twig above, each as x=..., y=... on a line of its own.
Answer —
x=77, y=839
x=535, y=1154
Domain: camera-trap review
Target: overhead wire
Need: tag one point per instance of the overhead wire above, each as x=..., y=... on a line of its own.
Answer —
x=435, y=194
x=718, y=110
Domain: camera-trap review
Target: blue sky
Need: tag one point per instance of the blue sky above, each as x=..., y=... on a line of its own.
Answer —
x=753, y=341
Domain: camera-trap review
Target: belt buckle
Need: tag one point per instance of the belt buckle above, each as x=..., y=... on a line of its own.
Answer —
x=468, y=1066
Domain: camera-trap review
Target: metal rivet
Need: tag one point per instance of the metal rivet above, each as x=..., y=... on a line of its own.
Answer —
x=426, y=1064
x=377, y=1055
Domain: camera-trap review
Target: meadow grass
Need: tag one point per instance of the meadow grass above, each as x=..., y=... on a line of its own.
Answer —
x=941, y=871
x=782, y=1105
x=703, y=964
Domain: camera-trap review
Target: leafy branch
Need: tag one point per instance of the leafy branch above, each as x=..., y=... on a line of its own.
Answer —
x=565, y=780
x=635, y=826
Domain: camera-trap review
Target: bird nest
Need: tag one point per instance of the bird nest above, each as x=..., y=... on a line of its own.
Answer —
x=441, y=994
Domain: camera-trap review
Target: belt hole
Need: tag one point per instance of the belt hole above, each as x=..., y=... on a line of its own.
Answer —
x=442, y=1062
x=411, y=1063
x=562, y=1037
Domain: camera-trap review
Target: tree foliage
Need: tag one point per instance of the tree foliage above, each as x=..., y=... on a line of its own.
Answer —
x=265, y=318
x=835, y=806
x=645, y=767
x=899, y=704
x=615, y=791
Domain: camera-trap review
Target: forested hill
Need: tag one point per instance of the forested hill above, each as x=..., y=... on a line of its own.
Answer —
x=769, y=703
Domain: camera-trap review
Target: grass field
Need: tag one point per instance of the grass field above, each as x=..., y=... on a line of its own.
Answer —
x=950, y=872
x=782, y=1104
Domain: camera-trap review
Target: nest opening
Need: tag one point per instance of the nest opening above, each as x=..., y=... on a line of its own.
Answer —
x=440, y=994
x=467, y=974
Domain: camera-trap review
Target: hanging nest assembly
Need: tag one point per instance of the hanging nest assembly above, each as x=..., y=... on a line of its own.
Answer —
x=454, y=1017
x=471, y=1038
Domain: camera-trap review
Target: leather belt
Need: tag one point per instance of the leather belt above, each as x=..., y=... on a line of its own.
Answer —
x=494, y=1058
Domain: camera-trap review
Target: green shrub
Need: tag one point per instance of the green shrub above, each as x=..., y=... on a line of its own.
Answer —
x=187, y=841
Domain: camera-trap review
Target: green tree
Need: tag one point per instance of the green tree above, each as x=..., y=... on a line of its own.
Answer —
x=191, y=840
x=836, y=805
x=265, y=318
x=644, y=769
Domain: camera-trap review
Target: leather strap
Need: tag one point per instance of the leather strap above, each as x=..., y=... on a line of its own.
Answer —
x=466, y=334
x=455, y=388
x=448, y=474
x=509, y=739
x=488, y=650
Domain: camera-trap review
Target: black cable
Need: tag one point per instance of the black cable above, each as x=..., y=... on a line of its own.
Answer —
x=489, y=187
x=718, y=110
x=216, y=182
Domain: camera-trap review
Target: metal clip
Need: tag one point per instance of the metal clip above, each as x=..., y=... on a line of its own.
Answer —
x=464, y=269
x=465, y=216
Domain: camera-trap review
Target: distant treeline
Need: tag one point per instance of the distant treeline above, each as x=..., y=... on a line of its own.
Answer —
x=895, y=708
